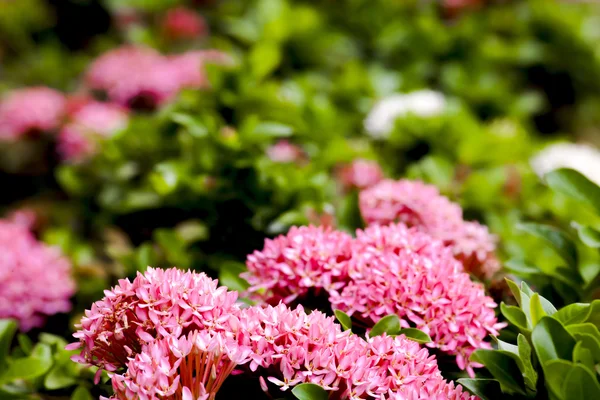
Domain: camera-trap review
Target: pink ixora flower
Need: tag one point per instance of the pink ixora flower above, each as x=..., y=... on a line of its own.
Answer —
x=88, y=124
x=158, y=303
x=295, y=347
x=155, y=352
x=30, y=110
x=307, y=258
x=417, y=204
x=402, y=271
x=142, y=78
x=183, y=23
x=359, y=174
x=35, y=280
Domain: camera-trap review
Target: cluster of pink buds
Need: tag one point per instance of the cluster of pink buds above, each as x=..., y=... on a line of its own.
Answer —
x=385, y=270
x=419, y=205
x=174, y=334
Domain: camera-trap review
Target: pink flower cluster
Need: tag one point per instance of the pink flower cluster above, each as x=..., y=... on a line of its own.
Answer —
x=88, y=124
x=30, y=110
x=174, y=334
x=141, y=77
x=183, y=23
x=359, y=174
x=385, y=270
x=35, y=280
x=419, y=205
x=285, y=152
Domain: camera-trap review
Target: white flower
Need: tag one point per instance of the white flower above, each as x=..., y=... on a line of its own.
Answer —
x=582, y=158
x=424, y=103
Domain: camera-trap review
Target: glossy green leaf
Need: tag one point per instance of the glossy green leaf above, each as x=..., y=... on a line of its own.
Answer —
x=529, y=372
x=520, y=267
x=25, y=344
x=560, y=241
x=389, y=324
x=485, y=389
x=551, y=341
x=416, y=335
x=576, y=185
x=309, y=391
x=535, y=309
x=264, y=59
x=585, y=327
x=581, y=383
x=573, y=313
x=344, y=319
x=583, y=355
x=556, y=372
x=31, y=367
x=503, y=367
x=59, y=377
x=514, y=288
x=515, y=316
x=8, y=328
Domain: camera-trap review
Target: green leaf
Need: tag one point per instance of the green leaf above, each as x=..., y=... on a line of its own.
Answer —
x=535, y=309
x=583, y=355
x=264, y=59
x=389, y=324
x=25, y=343
x=309, y=391
x=59, y=377
x=514, y=288
x=588, y=235
x=193, y=125
x=585, y=327
x=31, y=367
x=229, y=275
x=574, y=184
x=503, y=367
x=551, y=341
x=485, y=389
x=515, y=316
x=511, y=348
x=559, y=241
x=591, y=343
x=81, y=393
x=529, y=372
x=573, y=313
x=272, y=129
x=416, y=335
x=580, y=383
x=521, y=268
x=8, y=328
x=344, y=320
x=556, y=372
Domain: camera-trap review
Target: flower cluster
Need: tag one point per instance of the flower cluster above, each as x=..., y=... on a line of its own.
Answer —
x=31, y=110
x=382, y=117
x=183, y=23
x=35, y=280
x=285, y=152
x=359, y=174
x=417, y=204
x=308, y=257
x=385, y=270
x=187, y=354
x=88, y=123
x=402, y=271
x=142, y=78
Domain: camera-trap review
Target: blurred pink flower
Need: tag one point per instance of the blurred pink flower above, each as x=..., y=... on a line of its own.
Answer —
x=183, y=23
x=402, y=271
x=285, y=152
x=419, y=205
x=142, y=78
x=30, y=110
x=88, y=124
x=291, y=265
x=35, y=280
x=360, y=174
